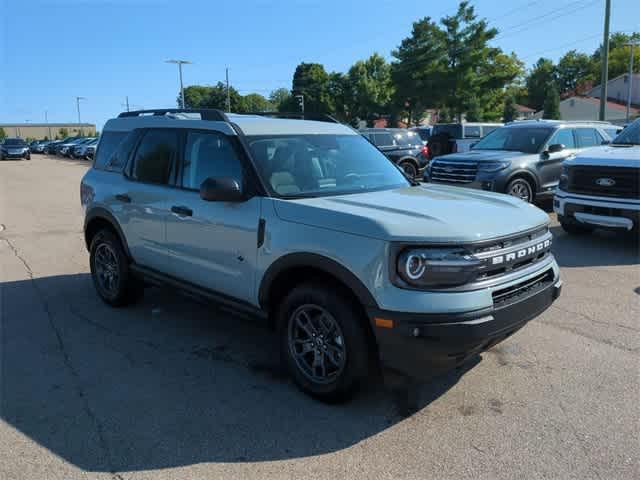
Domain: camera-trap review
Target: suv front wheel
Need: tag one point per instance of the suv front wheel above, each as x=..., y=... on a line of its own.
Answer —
x=521, y=188
x=110, y=271
x=323, y=342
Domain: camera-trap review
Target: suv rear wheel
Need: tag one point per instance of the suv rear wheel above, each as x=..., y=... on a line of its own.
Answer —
x=110, y=271
x=323, y=343
x=409, y=168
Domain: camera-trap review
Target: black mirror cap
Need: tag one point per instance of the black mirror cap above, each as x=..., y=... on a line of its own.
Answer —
x=556, y=147
x=221, y=189
x=605, y=142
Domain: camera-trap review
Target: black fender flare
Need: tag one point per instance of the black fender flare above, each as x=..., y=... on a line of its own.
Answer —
x=100, y=213
x=523, y=172
x=319, y=262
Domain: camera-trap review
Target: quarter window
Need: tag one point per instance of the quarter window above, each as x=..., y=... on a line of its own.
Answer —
x=472, y=131
x=156, y=156
x=565, y=137
x=383, y=139
x=109, y=141
x=209, y=155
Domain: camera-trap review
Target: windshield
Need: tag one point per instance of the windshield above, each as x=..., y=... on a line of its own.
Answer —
x=314, y=165
x=14, y=141
x=517, y=139
x=629, y=136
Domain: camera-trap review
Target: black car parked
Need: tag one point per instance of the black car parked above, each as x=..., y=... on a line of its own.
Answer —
x=403, y=147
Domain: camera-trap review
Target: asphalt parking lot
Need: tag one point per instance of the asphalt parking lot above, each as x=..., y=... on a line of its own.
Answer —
x=173, y=389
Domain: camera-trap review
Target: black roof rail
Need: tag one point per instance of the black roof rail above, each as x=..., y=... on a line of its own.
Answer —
x=319, y=117
x=205, y=113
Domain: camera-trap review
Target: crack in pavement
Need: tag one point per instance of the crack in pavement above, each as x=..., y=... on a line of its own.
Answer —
x=66, y=358
x=597, y=322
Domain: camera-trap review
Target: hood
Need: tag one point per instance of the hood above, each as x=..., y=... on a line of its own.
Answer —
x=483, y=155
x=429, y=213
x=608, y=156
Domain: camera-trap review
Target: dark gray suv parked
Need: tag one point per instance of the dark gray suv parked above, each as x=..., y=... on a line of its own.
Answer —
x=403, y=147
x=523, y=159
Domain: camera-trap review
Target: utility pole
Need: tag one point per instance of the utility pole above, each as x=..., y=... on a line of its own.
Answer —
x=300, y=99
x=604, y=76
x=46, y=120
x=127, y=102
x=78, y=106
x=629, y=91
x=228, y=92
x=180, y=63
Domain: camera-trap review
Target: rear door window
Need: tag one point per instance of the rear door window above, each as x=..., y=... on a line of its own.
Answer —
x=565, y=137
x=156, y=156
x=383, y=139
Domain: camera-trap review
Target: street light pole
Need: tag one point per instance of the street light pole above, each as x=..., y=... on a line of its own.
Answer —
x=604, y=75
x=78, y=107
x=228, y=93
x=301, y=99
x=180, y=63
x=629, y=91
x=46, y=120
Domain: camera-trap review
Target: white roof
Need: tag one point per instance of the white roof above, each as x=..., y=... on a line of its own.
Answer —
x=259, y=125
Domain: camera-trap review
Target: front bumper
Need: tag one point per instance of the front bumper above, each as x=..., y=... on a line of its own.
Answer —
x=14, y=155
x=422, y=346
x=601, y=212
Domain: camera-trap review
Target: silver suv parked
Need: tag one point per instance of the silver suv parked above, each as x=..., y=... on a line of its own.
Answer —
x=308, y=226
x=523, y=159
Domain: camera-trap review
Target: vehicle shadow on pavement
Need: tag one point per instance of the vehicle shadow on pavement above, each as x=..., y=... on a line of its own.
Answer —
x=599, y=248
x=165, y=383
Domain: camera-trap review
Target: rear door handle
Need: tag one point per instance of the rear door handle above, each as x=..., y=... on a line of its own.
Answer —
x=123, y=197
x=182, y=211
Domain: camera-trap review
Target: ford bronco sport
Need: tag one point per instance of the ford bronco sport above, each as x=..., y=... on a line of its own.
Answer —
x=308, y=226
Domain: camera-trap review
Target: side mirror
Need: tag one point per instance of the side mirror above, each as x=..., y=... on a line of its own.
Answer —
x=605, y=142
x=221, y=189
x=472, y=145
x=555, y=148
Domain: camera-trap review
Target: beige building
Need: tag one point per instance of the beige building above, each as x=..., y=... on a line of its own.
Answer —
x=50, y=130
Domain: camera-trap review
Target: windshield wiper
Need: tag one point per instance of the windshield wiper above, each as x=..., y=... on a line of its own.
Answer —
x=625, y=143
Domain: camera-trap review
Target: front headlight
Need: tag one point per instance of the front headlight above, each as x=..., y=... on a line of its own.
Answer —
x=436, y=267
x=564, y=178
x=493, y=166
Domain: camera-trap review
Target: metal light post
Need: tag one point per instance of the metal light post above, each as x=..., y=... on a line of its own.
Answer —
x=78, y=107
x=180, y=63
x=46, y=120
x=630, y=45
x=300, y=98
x=604, y=75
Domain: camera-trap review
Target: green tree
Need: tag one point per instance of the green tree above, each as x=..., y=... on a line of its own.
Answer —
x=340, y=94
x=312, y=81
x=509, y=113
x=199, y=96
x=195, y=96
x=551, y=104
x=369, y=88
x=63, y=132
x=3, y=134
x=574, y=72
x=279, y=98
x=619, y=54
x=254, y=102
x=452, y=66
x=541, y=76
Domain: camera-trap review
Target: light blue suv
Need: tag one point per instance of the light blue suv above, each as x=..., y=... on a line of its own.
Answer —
x=308, y=226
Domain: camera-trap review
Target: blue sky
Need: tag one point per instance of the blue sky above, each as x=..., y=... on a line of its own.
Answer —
x=104, y=50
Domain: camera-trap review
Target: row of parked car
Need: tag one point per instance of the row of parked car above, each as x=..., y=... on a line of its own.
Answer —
x=71, y=147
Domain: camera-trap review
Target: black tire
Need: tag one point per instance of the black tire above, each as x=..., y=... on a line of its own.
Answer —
x=521, y=188
x=28, y=156
x=125, y=289
x=347, y=342
x=574, y=229
x=409, y=168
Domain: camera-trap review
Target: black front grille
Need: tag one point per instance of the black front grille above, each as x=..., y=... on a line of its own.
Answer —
x=455, y=172
x=523, y=289
x=604, y=181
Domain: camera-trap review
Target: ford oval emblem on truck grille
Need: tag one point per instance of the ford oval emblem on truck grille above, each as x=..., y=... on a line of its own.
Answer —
x=605, y=182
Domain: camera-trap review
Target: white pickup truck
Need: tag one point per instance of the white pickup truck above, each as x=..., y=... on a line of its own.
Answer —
x=600, y=187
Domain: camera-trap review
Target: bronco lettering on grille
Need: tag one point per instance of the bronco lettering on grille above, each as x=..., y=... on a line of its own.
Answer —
x=521, y=254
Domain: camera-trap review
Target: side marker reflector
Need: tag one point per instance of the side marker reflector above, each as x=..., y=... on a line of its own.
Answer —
x=383, y=322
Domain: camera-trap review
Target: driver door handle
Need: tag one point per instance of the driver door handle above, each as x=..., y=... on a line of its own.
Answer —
x=123, y=197
x=182, y=211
